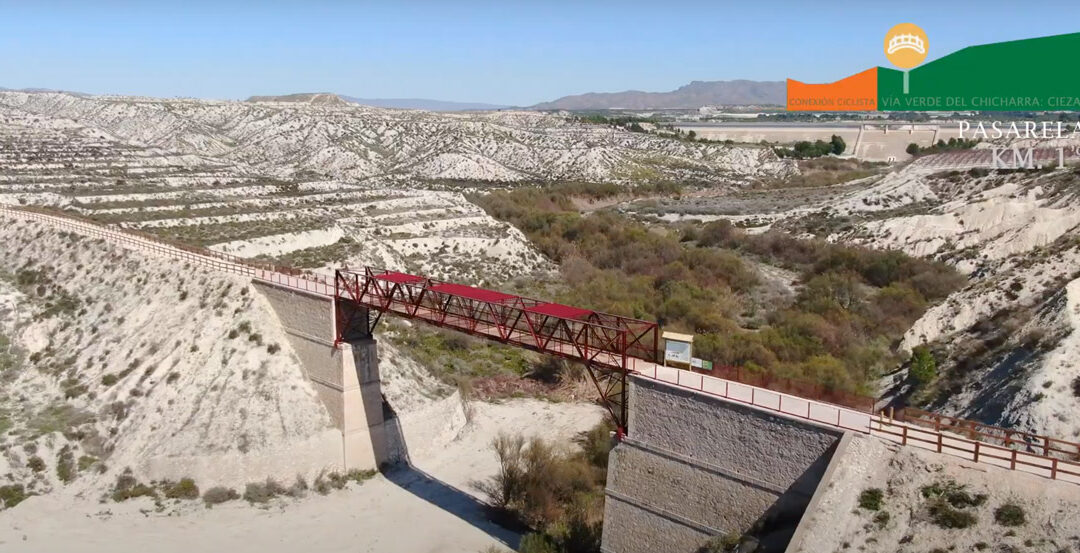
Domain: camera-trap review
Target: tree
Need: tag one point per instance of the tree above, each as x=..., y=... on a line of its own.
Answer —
x=912, y=149
x=691, y=135
x=923, y=366
x=838, y=145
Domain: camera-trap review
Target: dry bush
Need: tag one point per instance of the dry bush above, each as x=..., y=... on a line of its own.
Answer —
x=219, y=494
x=263, y=492
x=184, y=489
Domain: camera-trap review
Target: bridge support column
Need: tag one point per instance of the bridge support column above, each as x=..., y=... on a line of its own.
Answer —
x=362, y=426
x=344, y=375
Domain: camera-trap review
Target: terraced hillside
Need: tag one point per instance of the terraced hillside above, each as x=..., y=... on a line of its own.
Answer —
x=356, y=142
x=321, y=185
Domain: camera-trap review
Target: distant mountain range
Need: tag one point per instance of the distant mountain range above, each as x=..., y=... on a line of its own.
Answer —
x=691, y=96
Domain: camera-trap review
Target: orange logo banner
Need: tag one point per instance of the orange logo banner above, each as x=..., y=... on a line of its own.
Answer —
x=856, y=93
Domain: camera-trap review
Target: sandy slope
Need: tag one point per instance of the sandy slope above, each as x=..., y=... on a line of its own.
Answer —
x=148, y=364
x=401, y=512
x=1052, y=509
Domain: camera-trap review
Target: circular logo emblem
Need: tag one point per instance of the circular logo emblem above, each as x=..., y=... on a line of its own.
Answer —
x=906, y=45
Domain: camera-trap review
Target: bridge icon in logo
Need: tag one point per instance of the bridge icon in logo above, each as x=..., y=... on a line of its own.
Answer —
x=900, y=42
x=906, y=46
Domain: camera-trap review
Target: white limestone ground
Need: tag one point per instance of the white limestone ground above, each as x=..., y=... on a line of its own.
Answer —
x=211, y=173
x=358, y=142
x=381, y=515
x=226, y=412
x=330, y=184
x=147, y=364
x=836, y=523
x=1016, y=236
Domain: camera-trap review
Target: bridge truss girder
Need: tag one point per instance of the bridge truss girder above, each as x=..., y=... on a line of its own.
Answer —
x=604, y=343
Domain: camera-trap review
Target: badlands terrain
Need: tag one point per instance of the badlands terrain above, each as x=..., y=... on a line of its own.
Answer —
x=123, y=367
x=316, y=184
x=115, y=361
x=1005, y=342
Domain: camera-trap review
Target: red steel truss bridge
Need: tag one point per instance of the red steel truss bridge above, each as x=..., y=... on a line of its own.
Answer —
x=610, y=346
x=606, y=344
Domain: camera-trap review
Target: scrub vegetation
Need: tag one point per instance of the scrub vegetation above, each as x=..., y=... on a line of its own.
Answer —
x=849, y=308
x=558, y=492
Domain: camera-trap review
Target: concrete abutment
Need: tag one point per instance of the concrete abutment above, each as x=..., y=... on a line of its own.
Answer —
x=345, y=378
x=697, y=466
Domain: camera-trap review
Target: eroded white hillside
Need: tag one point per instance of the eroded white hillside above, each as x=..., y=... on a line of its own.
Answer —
x=357, y=142
x=129, y=361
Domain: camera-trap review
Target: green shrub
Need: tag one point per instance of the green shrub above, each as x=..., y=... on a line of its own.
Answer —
x=923, y=366
x=538, y=543
x=219, y=494
x=725, y=543
x=1010, y=514
x=128, y=487
x=109, y=379
x=545, y=486
x=947, y=516
x=65, y=465
x=138, y=490
x=597, y=442
x=360, y=476
x=871, y=498
x=11, y=495
x=882, y=518
x=35, y=463
x=952, y=492
x=184, y=489
x=86, y=461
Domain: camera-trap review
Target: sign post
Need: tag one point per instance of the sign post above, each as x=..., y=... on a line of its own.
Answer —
x=678, y=349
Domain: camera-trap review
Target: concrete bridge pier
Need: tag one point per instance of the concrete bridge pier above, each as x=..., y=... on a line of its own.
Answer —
x=696, y=466
x=363, y=430
x=345, y=378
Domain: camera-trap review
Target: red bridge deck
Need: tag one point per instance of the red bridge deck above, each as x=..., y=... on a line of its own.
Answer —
x=596, y=338
x=605, y=343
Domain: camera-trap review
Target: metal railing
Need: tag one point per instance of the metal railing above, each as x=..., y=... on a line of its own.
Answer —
x=787, y=404
x=991, y=435
x=978, y=451
x=995, y=446
x=941, y=440
x=219, y=261
x=794, y=387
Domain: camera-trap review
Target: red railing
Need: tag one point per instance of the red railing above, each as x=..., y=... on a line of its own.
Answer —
x=1049, y=457
x=991, y=435
x=604, y=343
x=942, y=441
x=589, y=336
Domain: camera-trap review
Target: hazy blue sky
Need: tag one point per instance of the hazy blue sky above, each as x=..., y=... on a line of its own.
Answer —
x=500, y=52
